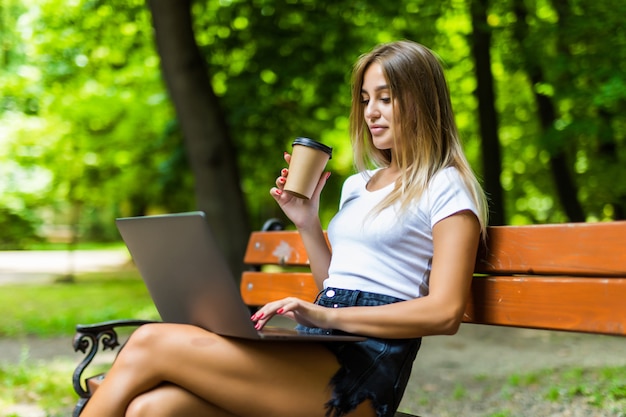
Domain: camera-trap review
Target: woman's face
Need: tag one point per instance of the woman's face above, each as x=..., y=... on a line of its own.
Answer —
x=378, y=106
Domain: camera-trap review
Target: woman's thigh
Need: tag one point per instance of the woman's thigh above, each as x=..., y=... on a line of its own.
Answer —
x=245, y=378
x=169, y=400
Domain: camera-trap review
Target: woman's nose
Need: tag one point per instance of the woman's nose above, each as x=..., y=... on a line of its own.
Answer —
x=371, y=111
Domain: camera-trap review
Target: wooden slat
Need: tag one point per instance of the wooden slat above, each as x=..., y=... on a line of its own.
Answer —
x=581, y=249
x=578, y=249
x=259, y=288
x=276, y=247
x=590, y=305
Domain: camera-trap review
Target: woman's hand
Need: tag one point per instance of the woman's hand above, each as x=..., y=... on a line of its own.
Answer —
x=300, y=211
x=303, y=312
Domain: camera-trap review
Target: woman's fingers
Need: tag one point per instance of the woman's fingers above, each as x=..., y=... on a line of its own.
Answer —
x=285, y=307
x=280, y=181
x=277, y=191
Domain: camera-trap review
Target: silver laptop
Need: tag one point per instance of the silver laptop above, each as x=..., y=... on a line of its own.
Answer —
x=189, y=279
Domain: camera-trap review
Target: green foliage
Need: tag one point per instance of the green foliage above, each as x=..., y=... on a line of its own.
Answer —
x=55, y=309
x=282, y=70
x=92, y=123
x=87, y=132
x=16, y=230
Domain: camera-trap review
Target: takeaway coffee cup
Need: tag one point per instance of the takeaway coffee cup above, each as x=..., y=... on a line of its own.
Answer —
x=308, y=160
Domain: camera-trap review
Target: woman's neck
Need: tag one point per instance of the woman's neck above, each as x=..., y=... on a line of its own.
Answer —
x=383, y=177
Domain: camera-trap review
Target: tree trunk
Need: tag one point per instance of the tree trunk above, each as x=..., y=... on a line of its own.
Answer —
x=488, y=117
x=209, y=148
x=561, y=173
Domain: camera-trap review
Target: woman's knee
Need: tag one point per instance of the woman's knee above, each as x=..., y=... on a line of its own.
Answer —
x=168, y=400
x=141, y=344
x=145, y=335
x=161, y=340
x=145, y=405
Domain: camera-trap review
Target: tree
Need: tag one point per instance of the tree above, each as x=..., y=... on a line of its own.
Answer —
x=488, y=117
x=210, y=151
x=565, y=186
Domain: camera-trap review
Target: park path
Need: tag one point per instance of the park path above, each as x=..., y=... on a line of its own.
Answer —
x=41, y=266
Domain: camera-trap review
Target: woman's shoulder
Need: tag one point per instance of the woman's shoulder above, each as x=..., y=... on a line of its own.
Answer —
x=446, y=177
x=359, y=179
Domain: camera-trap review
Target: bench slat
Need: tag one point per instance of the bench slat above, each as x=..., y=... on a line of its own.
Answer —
x=259, y=288
x=590, y=305
x=576, y=249
x=579, y=249
x=283, y=247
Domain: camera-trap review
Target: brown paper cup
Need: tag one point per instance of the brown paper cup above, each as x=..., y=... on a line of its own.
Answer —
x=308, y=160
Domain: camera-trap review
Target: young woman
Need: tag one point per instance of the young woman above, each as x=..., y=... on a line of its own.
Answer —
x=403, y=243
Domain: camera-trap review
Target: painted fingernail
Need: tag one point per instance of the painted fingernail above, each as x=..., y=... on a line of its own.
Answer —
x=327, y=175
x=280, y=311
x=279, y=192
x=283, y=171
x=281, y=180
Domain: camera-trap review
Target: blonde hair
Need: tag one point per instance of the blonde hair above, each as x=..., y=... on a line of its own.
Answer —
x=427, y=140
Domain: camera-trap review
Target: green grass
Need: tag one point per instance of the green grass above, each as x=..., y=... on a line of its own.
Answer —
x=54, y=309
x=46, y=385
x=79, y=246
x=602, y=389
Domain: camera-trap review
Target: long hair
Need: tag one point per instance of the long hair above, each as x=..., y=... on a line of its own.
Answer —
x=426, y=138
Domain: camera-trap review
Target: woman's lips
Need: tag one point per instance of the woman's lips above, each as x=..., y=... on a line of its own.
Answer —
x=377, y=130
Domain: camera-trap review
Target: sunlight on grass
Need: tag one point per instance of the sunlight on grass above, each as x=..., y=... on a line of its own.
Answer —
x=54, y=309
x=46, y=385
x=602, y=389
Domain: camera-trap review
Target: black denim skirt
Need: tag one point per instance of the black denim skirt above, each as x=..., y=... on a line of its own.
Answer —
x=375, y=369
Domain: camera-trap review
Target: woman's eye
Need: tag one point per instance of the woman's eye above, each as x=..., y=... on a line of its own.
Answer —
x=365, y=100
x=386, y=99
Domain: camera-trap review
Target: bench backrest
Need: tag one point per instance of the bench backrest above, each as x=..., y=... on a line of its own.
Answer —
x=560, y=277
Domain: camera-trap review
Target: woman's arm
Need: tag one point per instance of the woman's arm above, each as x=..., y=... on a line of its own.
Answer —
x=305, y=216
x=455, y=241
x=317, y=250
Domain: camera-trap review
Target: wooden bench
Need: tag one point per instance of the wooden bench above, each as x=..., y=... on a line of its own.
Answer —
x=568, y=277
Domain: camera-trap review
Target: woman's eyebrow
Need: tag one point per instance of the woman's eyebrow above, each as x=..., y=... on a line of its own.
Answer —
x=378, y=88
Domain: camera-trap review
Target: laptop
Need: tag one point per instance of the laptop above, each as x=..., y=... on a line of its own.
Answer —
x=190, y=281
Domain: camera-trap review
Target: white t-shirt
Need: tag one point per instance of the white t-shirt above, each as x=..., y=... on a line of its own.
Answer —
x=383, y=253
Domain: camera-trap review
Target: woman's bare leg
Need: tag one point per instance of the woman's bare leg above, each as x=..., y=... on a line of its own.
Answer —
x=244, y=378
x=170, y=400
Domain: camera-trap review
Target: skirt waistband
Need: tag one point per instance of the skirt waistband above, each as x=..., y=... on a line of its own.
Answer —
x=336, y=297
